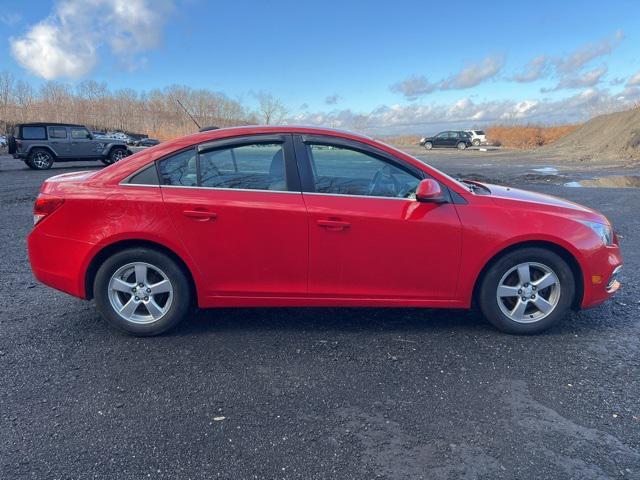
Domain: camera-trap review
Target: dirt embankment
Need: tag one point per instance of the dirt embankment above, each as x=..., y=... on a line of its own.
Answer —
x=613, y=137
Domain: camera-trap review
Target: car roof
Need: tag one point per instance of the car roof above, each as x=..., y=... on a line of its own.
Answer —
x=49, y=124
x=262, y=129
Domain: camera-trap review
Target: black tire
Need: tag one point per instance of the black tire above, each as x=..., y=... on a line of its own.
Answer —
x=461, y=145
x=487, y=293
x=181, y=294
x=476, y=143
x=11, y=145
x=40, y=159
x=428, y=145
x=115, y=155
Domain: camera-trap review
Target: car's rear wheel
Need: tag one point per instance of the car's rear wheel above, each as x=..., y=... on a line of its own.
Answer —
x=476, y=142
x=527, y=291
x=142, y=291
x=461, y=145
x=428, y=145
x=40, y=159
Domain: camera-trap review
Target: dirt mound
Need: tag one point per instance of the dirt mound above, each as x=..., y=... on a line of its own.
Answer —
x=615, y=136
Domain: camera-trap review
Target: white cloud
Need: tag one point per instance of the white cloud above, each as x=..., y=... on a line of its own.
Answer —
x=465, y=113
x=589, y=78
x=583, y=55
x=470, y=76
x=474, y=74
x=634, y=79
x=414, y=87
x=569, y=69
x=66, y=43
x=534, y=70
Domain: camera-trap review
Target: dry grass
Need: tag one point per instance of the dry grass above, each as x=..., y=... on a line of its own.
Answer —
x=509, y=136
x=524, y=137
x=401, y=140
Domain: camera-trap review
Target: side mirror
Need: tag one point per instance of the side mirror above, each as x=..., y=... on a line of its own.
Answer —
x=429, y=191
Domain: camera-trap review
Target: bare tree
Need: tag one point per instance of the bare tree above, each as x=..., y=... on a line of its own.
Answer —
x=91, y=103
x=270, y=109
x=6, y=93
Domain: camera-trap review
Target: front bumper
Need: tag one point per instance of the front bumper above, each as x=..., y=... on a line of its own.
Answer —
x=602, y=276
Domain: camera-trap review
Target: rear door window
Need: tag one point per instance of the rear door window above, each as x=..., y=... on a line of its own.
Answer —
x=179, y=169
x=34, y=133
x=251, y=167
x=257, y=166
x=57, y=132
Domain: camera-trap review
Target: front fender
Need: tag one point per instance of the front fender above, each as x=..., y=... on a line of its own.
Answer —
x=489, y=230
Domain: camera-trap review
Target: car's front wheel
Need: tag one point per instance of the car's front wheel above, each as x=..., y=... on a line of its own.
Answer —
x=115, y=155
x=142, y=291
x=527, y=291
x=428, y=145
x=40, y=159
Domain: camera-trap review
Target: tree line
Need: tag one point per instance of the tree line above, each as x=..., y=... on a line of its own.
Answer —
x=156, y=113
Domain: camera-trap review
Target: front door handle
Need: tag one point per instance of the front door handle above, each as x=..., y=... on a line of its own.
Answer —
x=201, y=215
x=333, y=224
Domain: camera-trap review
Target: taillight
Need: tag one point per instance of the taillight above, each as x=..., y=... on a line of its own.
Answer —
x=45, y=205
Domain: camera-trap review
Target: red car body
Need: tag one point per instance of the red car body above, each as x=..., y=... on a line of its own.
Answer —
x=261, y=248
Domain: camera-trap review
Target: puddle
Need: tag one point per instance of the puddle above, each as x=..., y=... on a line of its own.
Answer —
x=550, y=170
x=613, y=181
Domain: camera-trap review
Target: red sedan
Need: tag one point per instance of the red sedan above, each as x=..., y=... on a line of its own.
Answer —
x=288, y=216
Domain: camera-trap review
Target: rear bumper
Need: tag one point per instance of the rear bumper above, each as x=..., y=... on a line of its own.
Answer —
x=58, y=262
x=602, y=277
x=20, y=155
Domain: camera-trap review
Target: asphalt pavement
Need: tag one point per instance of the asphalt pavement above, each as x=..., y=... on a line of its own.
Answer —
x=314, y=393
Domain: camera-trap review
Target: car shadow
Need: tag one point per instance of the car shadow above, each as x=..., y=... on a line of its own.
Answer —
x=407, y=320
x=401, y=320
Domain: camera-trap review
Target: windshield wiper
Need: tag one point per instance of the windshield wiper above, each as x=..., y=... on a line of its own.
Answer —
x=476, y=187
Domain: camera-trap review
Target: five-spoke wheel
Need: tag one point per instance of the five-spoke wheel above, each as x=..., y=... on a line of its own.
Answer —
x=142, y=291
x=526, y=290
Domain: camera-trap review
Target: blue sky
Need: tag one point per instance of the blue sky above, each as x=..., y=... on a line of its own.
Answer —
x=405, y=65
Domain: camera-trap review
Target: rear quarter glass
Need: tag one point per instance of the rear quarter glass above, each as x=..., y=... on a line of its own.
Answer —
x=34, y=133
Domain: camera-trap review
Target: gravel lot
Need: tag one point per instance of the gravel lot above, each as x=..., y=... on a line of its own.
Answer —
x=314, y=393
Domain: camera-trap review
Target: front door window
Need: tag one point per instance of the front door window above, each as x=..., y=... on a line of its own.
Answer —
x=343, y=171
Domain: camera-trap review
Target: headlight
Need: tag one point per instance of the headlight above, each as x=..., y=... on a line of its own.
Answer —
x=605, y=232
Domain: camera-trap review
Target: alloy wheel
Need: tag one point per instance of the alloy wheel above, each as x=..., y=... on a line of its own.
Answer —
x=140, y=293
x=41, y=160
x=118, y=155
x=528, y=292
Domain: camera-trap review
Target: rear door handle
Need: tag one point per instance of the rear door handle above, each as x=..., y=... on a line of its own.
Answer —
x=201, y=215
x=333, y=224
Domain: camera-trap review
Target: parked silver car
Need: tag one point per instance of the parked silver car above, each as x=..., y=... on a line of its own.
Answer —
x=39, y=145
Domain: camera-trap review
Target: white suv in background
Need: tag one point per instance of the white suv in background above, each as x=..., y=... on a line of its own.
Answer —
x=477, y=137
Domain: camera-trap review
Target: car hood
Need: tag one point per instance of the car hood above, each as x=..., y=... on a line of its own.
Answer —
x=514, y=197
